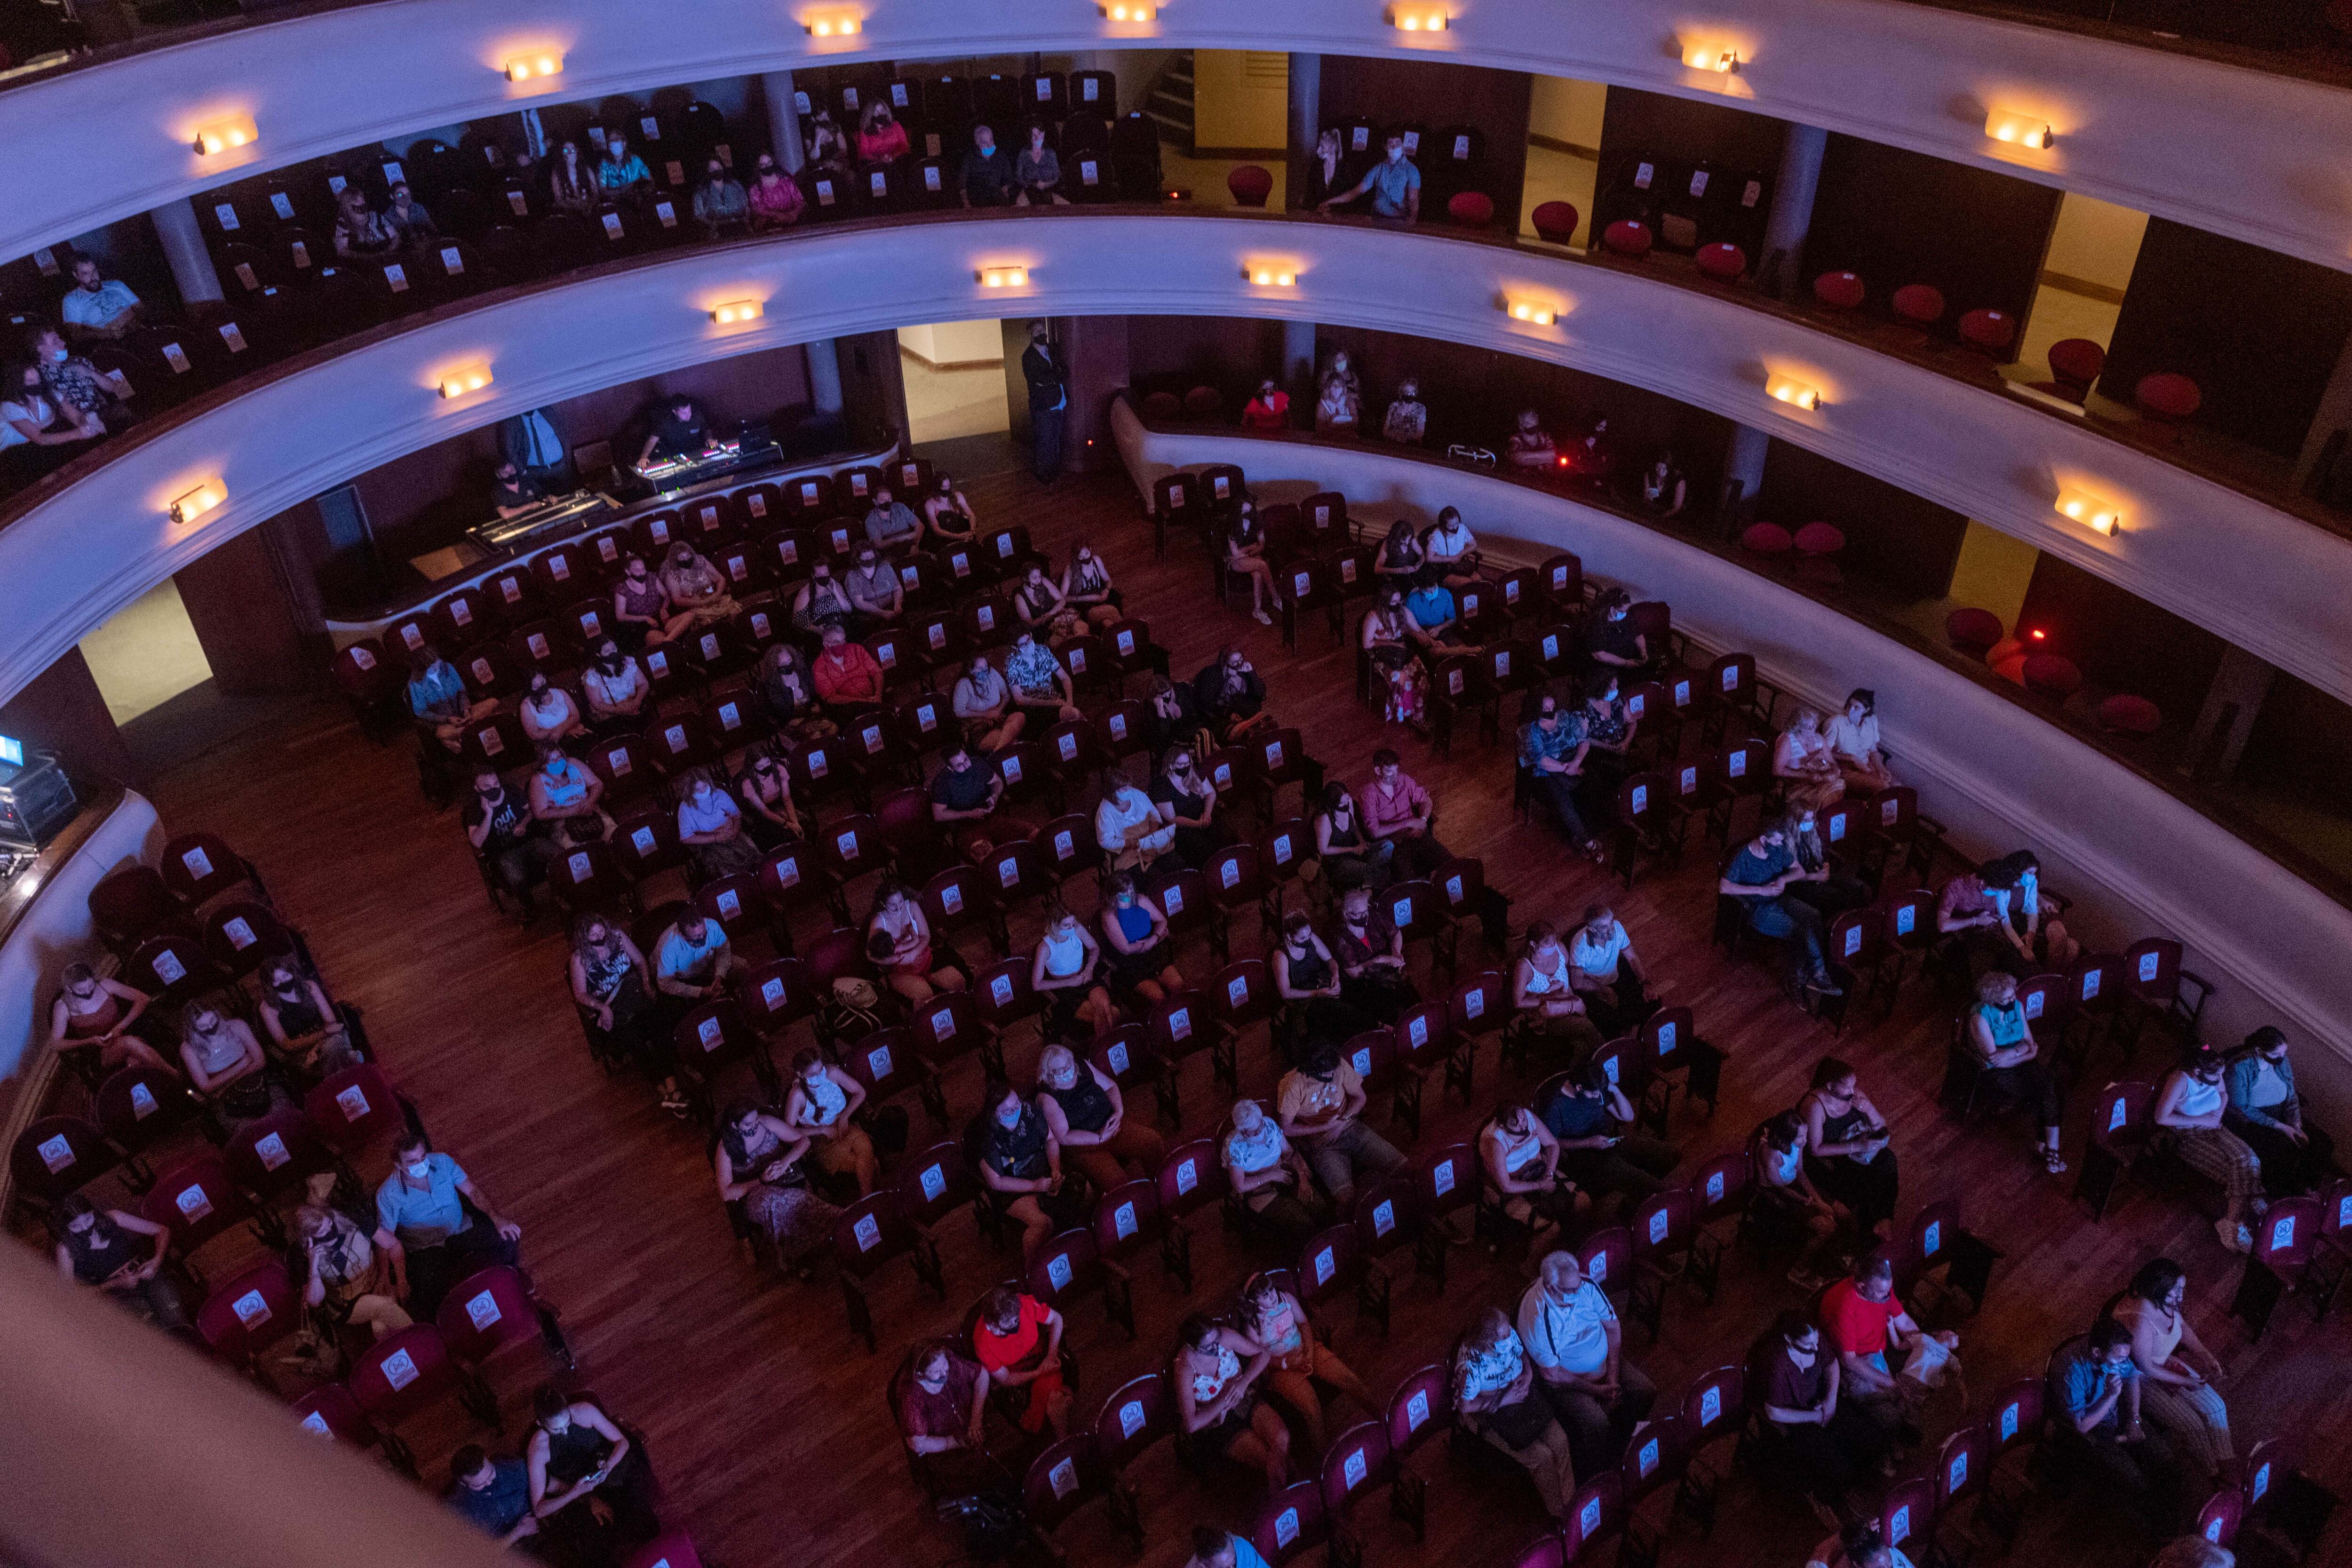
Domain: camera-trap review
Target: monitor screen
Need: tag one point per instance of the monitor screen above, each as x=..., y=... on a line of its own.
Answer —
x=12, y=752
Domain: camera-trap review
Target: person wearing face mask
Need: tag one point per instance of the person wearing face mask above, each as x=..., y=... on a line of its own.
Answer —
x=1136, y=933
x=1607, y=973
x=1328, y=172
x=846, y=673
x=1370, y=952
x=91, y=1020
x=2177, y=1371
x=435, y=1227
x=1017, y=1338
x=1665, y=492
x=613, y=989
x=1552, y=748
x=1761, y=877
x=309, y=1032
x=918, y=964
x=1047, y=376
x=1087, y=587
x=641, y=609
x=1040, y=684
x=822, y=1106
x=621, y=173
x=711, y=826
x=575, y=1452
x=615, y=686
x=2190, y=1114
x=1494, y=1398
x=1801, y=760
x=345, y=1275
x=828, y=146
x=122, y=1254
x=943, y=1416
x=98, y=308
x=1592, y=457
x=823, y=601
x=983, y=701
x=1087, y=1114
x=1600, y=1151
x=359, y=230
x=891, y=526
x=1307, y=982
x=1530, y=446
x=1037, y=601
x=2002, y=1041
x=1020, y=1166
x=1615, y=646
x=986, y=179
x=1321, y=1104
x=964, y=795
x=515, y=492
x=1215, y=1371
x=765, y=788
x=720, y=204
x=225, y=1063
x=774, y=199
x=1128, y=827
x=2265, y=1113
x=1037, y=174
x=1609, y=727
x=1268, y=410
x=506, y=837
x=880, y=137
x=1452, y=548
x=1348, y=856
x=1188, y=803
x=1819, y=1442
x=948, y=515
x=565, y=797
x=36, y=433
x=1521, y=1163
x=874, y=588
x=1818, y=882
x=1407, y=420
x=2015, y=880
x=1393, y=640
x=677, y=427
x=493, y=1495
x=1852, y=736
x=1544, y=998
x=547, y=710
x=696, y=592
x=407, y=218
x=760, y=1162
x=1338, y=398
x=1270, y=1177
x=572, y=183
x=1393, y=184
x=1398, y=811
x=1433, y=609
x=1847, y=1153
x=783, y=683
x=1301, y=1369
x=1230, y=697
x=438, y=699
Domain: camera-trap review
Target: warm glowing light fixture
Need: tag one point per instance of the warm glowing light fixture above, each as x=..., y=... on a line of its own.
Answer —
x=1004, y=277
x=464, y=382
x=1788, y=389
x=530, y=68
x=2024, y=130
x=197, y=503
x=1418, y=18
x=1710, y=57
x=831, y=23
x=1271, y=276
x=2098, y=516
x=1129, y=10
x=1530, y=311
x=223, y=135
x=737, y=310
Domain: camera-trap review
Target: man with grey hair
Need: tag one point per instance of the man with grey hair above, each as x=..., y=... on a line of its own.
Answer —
x=1576, y=1347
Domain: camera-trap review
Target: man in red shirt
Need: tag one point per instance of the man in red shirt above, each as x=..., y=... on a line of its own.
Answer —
x=1397, y=809
x=1874, y=1339
x=846, y=673
x=1018, y=1339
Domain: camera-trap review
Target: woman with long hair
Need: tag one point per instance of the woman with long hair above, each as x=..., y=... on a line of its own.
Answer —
x=2176, y=1370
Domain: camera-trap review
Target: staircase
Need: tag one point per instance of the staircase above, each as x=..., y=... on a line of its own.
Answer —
x=1169, y=102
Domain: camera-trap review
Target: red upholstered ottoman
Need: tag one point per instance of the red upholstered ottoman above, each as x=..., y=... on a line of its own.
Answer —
x=1250, y=186
x=1973, y=630
x=1820, y=539
x=1920, y=303
x=1839, y=290
x=2053, y=675
x=1723, y=262
x=2076, y=364
x=2129, y=715
x=1766, y=539
x=1471, y=209
x=1628, y=236
x=1555, y=221
x=1991, y=331
x=2167, y=395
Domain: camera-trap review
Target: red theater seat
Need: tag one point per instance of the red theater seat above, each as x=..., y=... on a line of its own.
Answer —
x=1820, y=539
x=1471, y=209
x=1839, y=290
x=1627, y=237
x=2075, y=362
x=1555, y=221
x=1725, y=262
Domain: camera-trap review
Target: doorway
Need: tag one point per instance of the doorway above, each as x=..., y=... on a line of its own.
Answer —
x=146, y=654
x=954, y=373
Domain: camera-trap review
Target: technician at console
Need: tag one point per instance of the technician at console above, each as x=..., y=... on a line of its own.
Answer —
x=679, y=429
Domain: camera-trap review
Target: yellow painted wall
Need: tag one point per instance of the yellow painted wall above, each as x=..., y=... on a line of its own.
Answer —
x=2095, y=240
x=1567, y=110
x=1241, y=98
x=1992, y=572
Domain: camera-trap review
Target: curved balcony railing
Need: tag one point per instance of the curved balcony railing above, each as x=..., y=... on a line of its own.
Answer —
x=2252, y=155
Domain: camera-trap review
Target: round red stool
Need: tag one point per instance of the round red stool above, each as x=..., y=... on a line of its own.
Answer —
x=1471, y=209
x=1919, y=302
x=2168, y=396
x=1820, y=539
x=1250, y=186
x=1839, y=290
x=1991, y=331
x=1628, y=236
x=2053, y=675
x=2129, y=715
x=1972, y=630
x=2075, y=363
x=1555, y=221
x=1723, y=262
x=1766, y=539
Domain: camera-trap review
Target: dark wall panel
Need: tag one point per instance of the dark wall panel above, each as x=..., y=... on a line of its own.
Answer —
x=1893, y=539
x=1176, y=353
x=61, y=710
x=2121, y=641
x=1437, y=96
x=249, y=627
x=1676, y=137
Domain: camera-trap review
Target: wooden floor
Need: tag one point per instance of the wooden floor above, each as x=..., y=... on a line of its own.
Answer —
x=766, y=1418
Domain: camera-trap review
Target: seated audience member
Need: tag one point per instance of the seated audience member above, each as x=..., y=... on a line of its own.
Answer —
x=1087, y=1114
x=963, y=790
x=983, y=700
x=436, y=697
x=891, y=525
x=1846, y=1146
x=986, y=179
x=1370, y=952
x=711, y=826
x=1759, y=876
x=93, y=1014
x=1778, y=1152
x=308, y=1030
x=1665, y=492
x=1432, y=608
x=98, y=308
x=875, y=591
x=721, y=204
x=914, y=969
x=1338, y=398
x=1215, y=1371
x=822, y=1106
x=1530, y=446
x=1852, y=735
x=565, y=795
x=1087, y=587
x=1274, y=1321
x=697, y=591
x=1819, y=883
x=1493, y=1397
x=880, y=137
x=1406, y=423
x=2174, y=1393
x=2188, y=1115
x=615, y=992
x=1135, y=940
x=2267, y=1117
x=944, y=1415
x=1544, y=998
x=692, y=961
x=1861, y=1545
x=435, y=1226
x=948, y=515
x=407, y=218
x=1128, y=826
x=1244, y=552
x=80, y=388
x=1802, y=760
x=1453, y=549
x=518, y=487
x=2103, y=1390
x=1037, y=174
x=572, y=183
x=574, y=1452
x=1039, y=603
x=1393, y=184
x=1573, y=1336
x=1349, y=855
x=2003, y=1041
x=641, y=607
x=1020, y=1164
x=1218, y=1548
x=1017, y=1340
x=1393, y=640
x=35, y=431
x=2017, y=878
x=121, y=1254
x=1614, y=645
x=1828, y=1447
x=1270, y=1177
x=1399, y=558
x=1599, y=1149
x=1040, y=684
x=1268, y=409
x=621, y=173
x=1592, y=457
x=1552, y=749
x=1520, y=1160
x=613, y=685
x=1885, y=1362
x=774, y=199
x=344, y=1274
x=1307, y=981
x=783, y=683
x=1973, y=919
x=765, y=788
x=548, y=711
x=1188, y=803
x=1171, y=704
x=359, y=231
x=1606, y=973
x=846, y=673
x=494, y=1496
x=1069, y=974
x=1322, y=1110
x=829, y=147
x=1398, y=811
x=763, y=1165
x=1229, y=697
x=224, y=1063
x=823, y=601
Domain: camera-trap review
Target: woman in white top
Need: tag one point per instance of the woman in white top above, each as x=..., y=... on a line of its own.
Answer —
x=548, y=712
x=2189, y=1109
x=614, y=684
x=909, y=967
x=1066, y=972
x=819, y=1107
x=1545, y=998
x=1217, y=1402
x=1128, y=826
x=983, y=700
x=1777, y=1156
x=225, y=1063
x=25, y=417
x=698, y=594
x=1269, y=1176
x=1853, y=742
x=1494, y=1393
x=1802, y=758
x=1453, y=549
x=1522, y=1162
x=1340, y=399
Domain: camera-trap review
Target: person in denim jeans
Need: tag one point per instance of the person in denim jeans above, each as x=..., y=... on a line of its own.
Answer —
x=1758, y=877
x=1322, y=1109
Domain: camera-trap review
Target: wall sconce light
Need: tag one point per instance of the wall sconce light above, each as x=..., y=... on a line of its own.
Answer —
x=1710, y=57
x=1531, y=312
x=1416, y=19
x=1786, y=389
x=737, y=312
x=1003, y=277
x=463, y=382
x=2100, y=517
x=1128, y=11
x=220, y=137
x=831, y=23
x=2022, y=130
x=197, y=503
x=530, y=68
x=1271, y=276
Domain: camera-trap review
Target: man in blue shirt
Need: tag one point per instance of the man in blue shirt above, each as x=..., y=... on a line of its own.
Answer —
x=1551, y=749
x=1214, y=1548
x=692, y=960
x=424, y=1227
x=1394, y=184
x=1431, y=606
x=495, y=1494
x=2101, y=1385
x=1758, y=876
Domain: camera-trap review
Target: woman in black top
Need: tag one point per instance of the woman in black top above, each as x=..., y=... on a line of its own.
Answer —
x=575, y=1452
x=121, y=1255
x=1609, y=729
x=308, y=1030
x=1349, y=856
x=1087, y=1117
x=1847, y=1140
x=1020, y=1162
x=1307, y=978
x=1189, y=801
x=1229, y=697
x=766, y=792
x=1039, y=602
x=1087, y=588
x=1401, y=557
x=1371, y=954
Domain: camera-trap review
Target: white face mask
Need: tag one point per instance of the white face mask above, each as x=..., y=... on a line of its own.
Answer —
x=1396, y=154
x=421, y=1169
x=1010, y=1117
x=58, y=355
